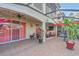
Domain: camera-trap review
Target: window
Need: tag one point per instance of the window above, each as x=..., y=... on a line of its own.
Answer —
x=51, y=28
x=1, y=26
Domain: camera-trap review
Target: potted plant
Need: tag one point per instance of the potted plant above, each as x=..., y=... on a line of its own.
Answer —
x=72, y=32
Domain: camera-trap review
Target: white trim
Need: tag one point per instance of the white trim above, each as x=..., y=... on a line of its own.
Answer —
x=5, y=23
x=20, y=30
x=13, y=41
x=12, y=19
x=11, y=31
x=44, y=8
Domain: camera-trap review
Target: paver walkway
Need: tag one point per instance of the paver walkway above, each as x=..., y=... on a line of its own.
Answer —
x=52, y=47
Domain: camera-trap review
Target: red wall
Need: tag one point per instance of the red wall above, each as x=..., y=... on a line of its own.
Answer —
x=5, y=31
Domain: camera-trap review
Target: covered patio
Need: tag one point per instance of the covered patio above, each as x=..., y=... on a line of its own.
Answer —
x=51, y=46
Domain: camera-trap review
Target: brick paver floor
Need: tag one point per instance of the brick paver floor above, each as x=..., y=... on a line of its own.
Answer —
x=52, y=47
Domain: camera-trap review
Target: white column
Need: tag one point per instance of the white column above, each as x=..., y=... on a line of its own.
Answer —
x=44, y=8
x=44, y=31
x=44, y=23
x=11, y=30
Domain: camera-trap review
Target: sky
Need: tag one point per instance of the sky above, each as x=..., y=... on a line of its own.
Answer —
x=69, y=6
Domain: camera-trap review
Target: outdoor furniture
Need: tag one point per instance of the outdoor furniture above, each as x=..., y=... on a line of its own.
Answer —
x=32, y=36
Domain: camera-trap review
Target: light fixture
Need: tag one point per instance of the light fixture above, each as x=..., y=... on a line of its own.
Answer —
x=19, y=16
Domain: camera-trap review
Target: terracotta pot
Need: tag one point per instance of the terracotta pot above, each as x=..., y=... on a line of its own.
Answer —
x=70, y=44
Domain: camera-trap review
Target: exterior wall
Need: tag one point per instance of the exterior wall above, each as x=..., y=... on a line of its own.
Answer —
x=31, y=26
x=53, y=31
x=30, y=29
x=11, y=28
x=30, y=23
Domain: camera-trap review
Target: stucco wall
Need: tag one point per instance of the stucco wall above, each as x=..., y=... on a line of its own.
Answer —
x=30, y=29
